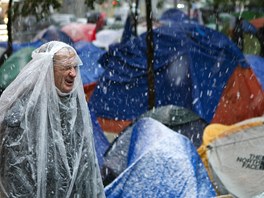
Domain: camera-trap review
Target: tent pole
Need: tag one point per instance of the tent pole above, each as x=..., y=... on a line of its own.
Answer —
x=150, y=56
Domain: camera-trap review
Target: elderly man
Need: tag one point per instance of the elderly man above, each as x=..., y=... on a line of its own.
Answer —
x=47, y=147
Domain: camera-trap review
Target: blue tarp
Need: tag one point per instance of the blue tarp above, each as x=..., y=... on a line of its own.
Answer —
x=174, y=15
x=100, y=141
x=257, y=64
x=192, y=64
x=52, y=33
x=91, y=70
x=248, y=27
x=160, y=163
x=18, y=46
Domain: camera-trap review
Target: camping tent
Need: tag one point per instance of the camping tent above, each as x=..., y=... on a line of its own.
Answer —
x=160, y=163
x=52, y=33
x=257, y=64
x=17, y=46
x=10, y=69
x=91, y=70
x=180, y=120
x=80, y=31
x=195, y=68
x=100, y=141
x=234, y=158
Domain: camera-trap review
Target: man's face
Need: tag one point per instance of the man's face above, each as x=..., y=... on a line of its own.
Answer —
x=64, y=77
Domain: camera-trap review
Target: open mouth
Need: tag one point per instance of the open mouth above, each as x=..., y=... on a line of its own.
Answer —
x=69, y=82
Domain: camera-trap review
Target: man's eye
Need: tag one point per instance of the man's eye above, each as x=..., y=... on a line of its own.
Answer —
x=71, y=67
x=68, y=68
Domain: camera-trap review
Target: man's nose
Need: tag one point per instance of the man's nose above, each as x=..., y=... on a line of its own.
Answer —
x=73, y=72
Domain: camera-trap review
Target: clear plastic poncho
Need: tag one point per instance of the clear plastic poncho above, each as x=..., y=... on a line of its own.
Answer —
x=47, y=147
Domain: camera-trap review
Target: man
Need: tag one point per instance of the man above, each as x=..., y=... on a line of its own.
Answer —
x=47, y=147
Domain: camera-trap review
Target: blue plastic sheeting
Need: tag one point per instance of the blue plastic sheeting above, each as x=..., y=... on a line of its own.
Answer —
x=257, y=64
x=91, y=70
x=192, y=64
x=100, y=141
x=247, y=27
x=52, y=33
x=161, y=163
x=18, y=46
x=174, y=15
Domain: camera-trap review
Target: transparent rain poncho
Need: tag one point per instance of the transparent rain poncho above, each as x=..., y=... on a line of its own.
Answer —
x=47, y=147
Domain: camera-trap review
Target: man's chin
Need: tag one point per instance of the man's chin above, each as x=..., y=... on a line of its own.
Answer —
x=67, y=89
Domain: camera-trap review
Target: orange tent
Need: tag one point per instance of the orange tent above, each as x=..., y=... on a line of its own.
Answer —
x=242, y=98
x=258, y=23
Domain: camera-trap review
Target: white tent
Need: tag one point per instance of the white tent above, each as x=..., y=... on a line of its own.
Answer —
x=236, y=158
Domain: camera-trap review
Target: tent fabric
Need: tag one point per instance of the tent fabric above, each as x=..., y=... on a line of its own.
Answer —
x=17, y=46
x=106, y=37
x=248, y=27
x=174, y=15
x=235, y=153
x=171, y=115
x=192, y=64
x=80, y=32
x=242, y=98
x=12, y=66
x=91, y=70
x=116, y=156
x=211, y=133
x=113, y=125
x=160, y=163
x=258, y=22
x=257, y=65
x=128, y=32
x=52, y=33
x=180, y=120
x=88, y=90
x=100, y=141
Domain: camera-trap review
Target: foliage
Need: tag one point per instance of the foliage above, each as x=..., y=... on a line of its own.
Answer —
x=90, y=3
x=160, y=4
x=38, y=8
x=42, y=8
x=231, y=4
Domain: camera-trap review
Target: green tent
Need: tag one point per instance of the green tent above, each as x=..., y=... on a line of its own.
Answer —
x=13, y=65
x=249, y=15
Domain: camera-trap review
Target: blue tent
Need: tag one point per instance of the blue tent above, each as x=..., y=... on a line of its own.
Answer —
x=17, y=46
x=180, y=120
x=91, y=70
x=49, y=34
x=247, y=27
x=192, y=64
x=53, y=33
x=175, y=15
x=160, y=163
x=100, y=141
